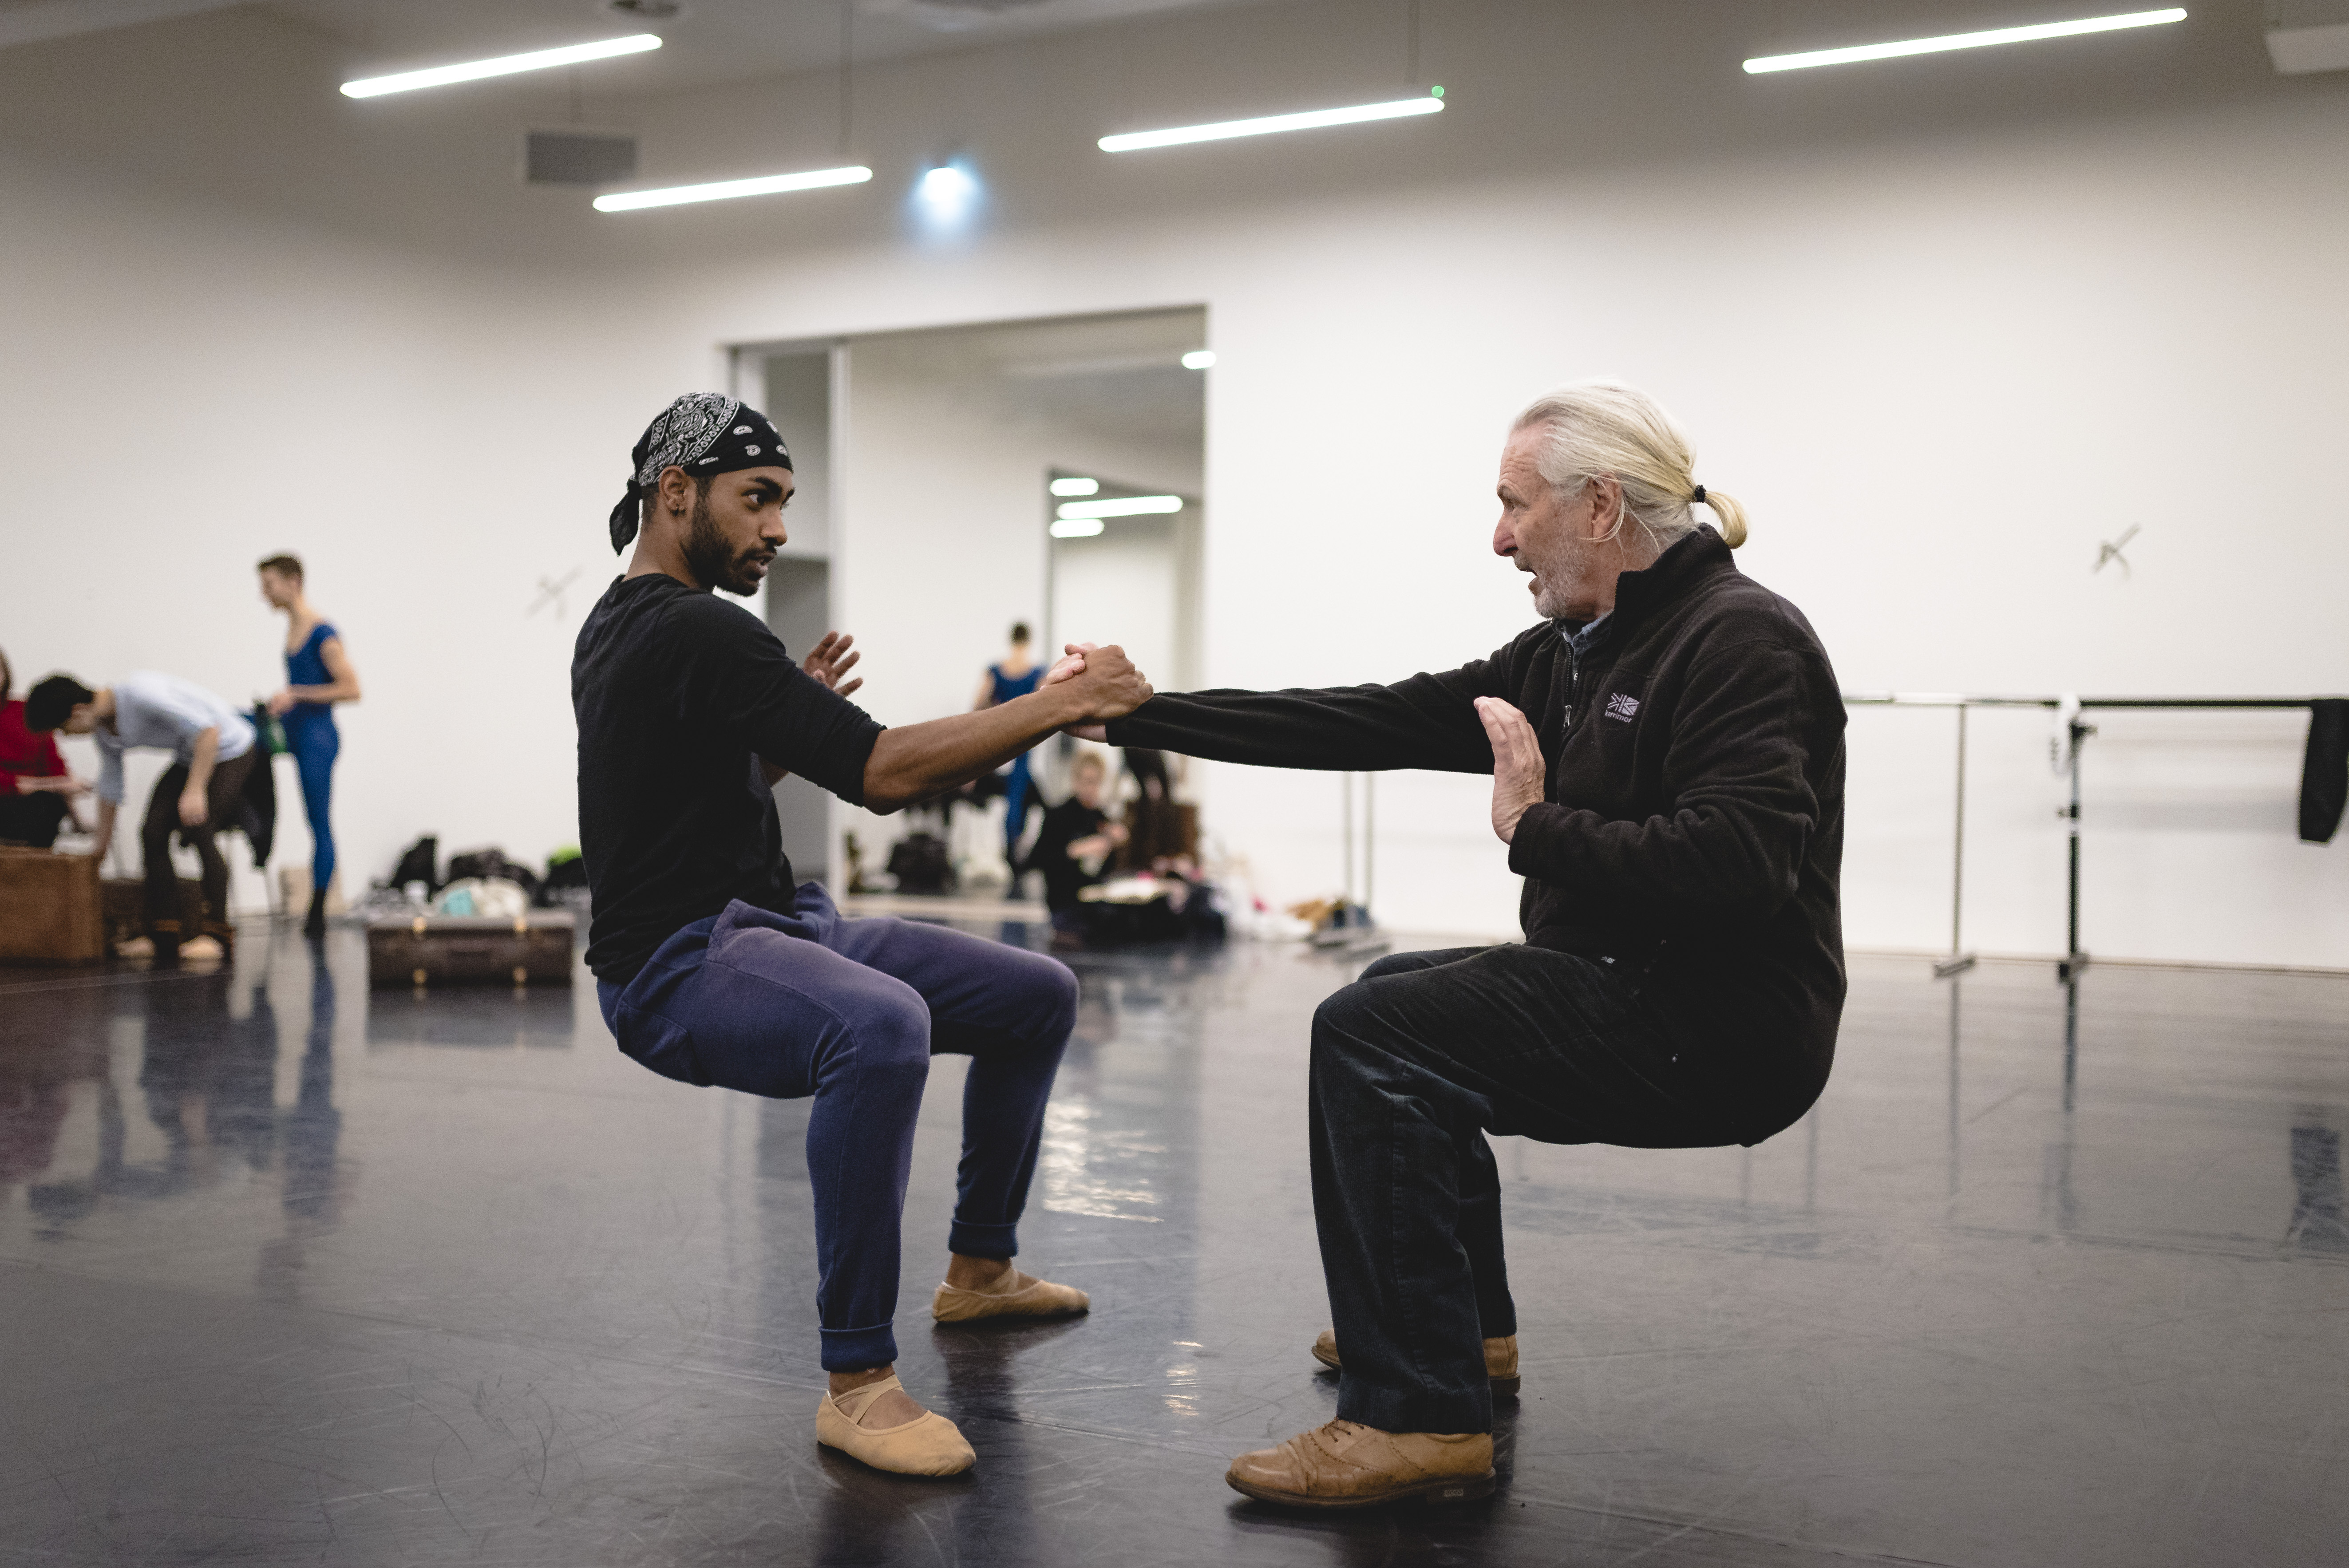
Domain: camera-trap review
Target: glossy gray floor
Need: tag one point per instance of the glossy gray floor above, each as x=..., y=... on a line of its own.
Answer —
x=290, y=1272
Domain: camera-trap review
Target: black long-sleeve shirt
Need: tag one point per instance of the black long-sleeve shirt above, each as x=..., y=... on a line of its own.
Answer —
x=1692, y=824
x=678, y=694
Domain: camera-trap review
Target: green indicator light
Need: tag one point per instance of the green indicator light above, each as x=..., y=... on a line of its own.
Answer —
x=1436, y=92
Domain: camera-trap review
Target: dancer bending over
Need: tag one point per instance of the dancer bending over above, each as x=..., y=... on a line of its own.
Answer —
x=713, y=968
x=212, y=755
x=1666, y=747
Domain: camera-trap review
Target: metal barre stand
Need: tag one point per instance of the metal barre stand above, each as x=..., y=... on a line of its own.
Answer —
x=1958, y=960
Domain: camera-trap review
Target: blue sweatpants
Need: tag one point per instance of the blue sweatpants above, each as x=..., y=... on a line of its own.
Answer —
x=312, y=737
x=850, y=1011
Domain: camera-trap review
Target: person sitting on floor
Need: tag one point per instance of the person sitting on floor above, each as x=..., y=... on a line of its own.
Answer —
x=1073, y=847
x=36, y=790
x=213, y=749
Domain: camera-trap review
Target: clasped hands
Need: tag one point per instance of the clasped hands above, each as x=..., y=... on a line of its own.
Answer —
x=1113, y=687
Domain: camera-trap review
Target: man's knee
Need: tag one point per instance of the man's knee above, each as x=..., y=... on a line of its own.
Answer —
x=889, y=1037
x=1339, y=1019
x=1392, y=963
x=1046, y=996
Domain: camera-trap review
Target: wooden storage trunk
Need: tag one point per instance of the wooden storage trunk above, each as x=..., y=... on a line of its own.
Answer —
x=49, y=908
x=424, y=950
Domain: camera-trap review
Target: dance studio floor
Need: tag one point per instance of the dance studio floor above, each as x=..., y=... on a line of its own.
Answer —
x=293, y=1274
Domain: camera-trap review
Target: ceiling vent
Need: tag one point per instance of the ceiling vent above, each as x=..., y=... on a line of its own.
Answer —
x=578, y=157
x=645, y=10
x=2308, y=35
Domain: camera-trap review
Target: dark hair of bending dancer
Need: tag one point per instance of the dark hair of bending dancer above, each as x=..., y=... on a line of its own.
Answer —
x=713, y=967
x=1666, y=747
x=318, y=674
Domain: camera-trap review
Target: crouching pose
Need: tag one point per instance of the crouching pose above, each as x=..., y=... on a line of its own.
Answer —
x=1666, y=747
x=712, y=967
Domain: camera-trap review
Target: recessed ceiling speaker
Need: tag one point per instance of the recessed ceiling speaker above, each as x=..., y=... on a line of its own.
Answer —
x=578, y=157
x=2308, y=35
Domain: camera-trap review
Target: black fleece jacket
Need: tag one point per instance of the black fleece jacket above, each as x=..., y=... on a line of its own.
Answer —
x=1693, y=827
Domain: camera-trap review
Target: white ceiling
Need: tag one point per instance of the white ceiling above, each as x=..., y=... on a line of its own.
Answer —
x=705, y=41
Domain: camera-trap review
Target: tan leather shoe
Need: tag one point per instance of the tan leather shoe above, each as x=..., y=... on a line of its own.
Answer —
x=1347, y=1465
x=1016, y=1294
x=928, y=1445
x=1500, y=1361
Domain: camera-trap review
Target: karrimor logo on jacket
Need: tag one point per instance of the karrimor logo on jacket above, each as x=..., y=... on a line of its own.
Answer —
x=1622, y=707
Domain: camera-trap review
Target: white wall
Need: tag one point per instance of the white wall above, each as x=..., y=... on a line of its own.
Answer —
x=1943, y=325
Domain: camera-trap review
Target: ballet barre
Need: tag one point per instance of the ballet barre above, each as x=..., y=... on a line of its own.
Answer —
x=2076, y=730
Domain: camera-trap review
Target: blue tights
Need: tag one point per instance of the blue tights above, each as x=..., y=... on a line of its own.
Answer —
x=850, y=1011
x=315, y=743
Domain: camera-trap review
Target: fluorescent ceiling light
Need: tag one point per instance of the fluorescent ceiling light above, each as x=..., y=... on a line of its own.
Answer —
x=726, y=190
x=1078, y=527
x=1310, y=120
x=503, y=65
x=1076, y=487
x=1199, y=359
x=1963, y=41
x=1121, y=506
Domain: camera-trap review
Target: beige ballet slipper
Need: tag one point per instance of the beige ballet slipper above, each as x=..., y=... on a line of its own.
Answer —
x=1016, y=1294
x=928, y=1445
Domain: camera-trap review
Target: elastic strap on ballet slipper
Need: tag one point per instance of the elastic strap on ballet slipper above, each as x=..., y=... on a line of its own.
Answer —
x=857, y=1400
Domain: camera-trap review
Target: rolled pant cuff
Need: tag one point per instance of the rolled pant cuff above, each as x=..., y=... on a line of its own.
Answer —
x=971, y=1241
x=855, y=1349
x=1394, y=1410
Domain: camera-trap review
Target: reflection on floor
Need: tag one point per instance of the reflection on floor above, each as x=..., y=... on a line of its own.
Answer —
x=290, y=1272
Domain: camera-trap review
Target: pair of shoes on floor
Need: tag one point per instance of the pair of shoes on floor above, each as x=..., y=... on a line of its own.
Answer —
x=1500, y=1361
x=931, y=1445
x=1344, y=1464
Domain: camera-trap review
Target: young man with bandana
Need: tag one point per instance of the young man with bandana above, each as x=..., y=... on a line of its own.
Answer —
x=712, y=967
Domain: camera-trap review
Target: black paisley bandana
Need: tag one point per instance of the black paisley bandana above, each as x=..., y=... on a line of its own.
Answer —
x=705, y=435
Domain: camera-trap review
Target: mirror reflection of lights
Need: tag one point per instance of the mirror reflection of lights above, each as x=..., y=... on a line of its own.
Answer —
x=1199, y=359
x=946, y=196
x=1078, y=528
x=1076, y=487
x=1121, y=506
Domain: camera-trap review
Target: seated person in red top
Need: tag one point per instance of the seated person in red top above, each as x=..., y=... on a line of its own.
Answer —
x=1077, y=840
x=36, y=791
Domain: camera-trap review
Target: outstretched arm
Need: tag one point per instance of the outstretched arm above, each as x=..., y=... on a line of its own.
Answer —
x=1428, y=721
x=916, y=762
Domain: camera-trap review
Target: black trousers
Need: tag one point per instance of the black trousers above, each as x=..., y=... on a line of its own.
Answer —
x=222, y=795
x=32, y=819
x=1413, y=1064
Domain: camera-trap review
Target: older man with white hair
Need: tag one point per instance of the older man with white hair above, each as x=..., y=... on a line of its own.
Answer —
x=1666, y=747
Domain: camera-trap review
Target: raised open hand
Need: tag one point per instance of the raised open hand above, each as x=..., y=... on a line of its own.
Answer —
x=830, y=659
x=1520, y=776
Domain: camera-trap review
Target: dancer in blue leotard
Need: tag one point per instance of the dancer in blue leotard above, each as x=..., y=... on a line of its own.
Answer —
x=1016, y=677
x=318, y=674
